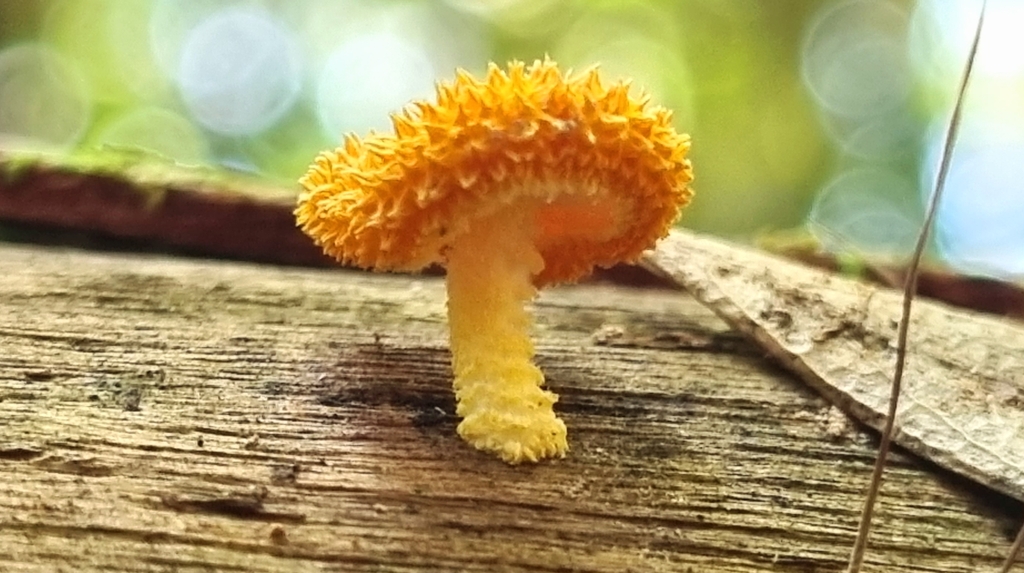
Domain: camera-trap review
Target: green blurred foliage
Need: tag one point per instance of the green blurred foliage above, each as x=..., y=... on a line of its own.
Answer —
x=729, y=70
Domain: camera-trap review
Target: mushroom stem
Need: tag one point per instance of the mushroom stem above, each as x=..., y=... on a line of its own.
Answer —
x=497, y=386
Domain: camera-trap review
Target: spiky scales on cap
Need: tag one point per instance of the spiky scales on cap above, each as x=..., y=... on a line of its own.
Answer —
x=608, y=173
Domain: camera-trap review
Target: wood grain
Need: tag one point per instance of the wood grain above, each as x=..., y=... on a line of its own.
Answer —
x=171, y=415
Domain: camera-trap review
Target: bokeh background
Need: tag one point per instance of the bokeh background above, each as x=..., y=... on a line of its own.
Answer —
x=819, y=115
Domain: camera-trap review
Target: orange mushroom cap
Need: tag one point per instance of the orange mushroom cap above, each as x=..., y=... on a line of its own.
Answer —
x=605, y=173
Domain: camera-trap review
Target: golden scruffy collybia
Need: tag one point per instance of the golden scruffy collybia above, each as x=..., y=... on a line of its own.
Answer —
x=526, y=178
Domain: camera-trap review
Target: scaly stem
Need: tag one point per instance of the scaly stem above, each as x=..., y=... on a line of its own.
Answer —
x=497, y=386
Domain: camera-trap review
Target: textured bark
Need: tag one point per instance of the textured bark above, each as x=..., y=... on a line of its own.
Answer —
x=168, y=415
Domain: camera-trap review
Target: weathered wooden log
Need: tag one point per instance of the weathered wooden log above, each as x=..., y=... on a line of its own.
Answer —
x=172, y=415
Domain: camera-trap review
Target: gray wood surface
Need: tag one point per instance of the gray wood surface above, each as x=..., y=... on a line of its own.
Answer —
x=173, y=415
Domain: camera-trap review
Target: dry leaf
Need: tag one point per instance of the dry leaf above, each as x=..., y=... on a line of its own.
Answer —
x=963, y=395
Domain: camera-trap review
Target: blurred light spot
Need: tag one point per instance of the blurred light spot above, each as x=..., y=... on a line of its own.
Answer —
x=495, y=7
x=103, y=38
x=629, y=57
x=941, y=32
x=329, y=23
x=634, y=43
x=158, y=130
x=893, y=135
x=127, y=38
x=979, y=227
x=869, y=211
x=285, y=149
x=854, y=58
x=358, y=46
x=44, y=98
x=240, y=71
x=524, y=18
x=368, y=77
x=940, y=35
x=170, y=23
x=448, y=38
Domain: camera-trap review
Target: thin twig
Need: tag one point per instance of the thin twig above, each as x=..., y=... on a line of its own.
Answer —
x=1011, y=558
x=909, y=289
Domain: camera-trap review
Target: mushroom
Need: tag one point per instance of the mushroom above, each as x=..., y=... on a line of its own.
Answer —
x=526, y=178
